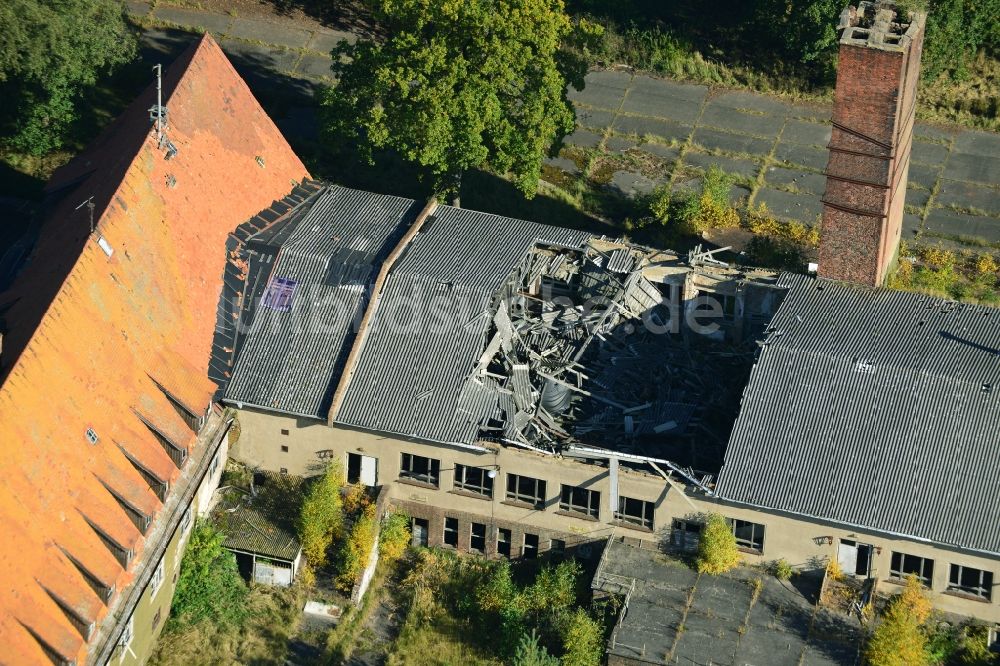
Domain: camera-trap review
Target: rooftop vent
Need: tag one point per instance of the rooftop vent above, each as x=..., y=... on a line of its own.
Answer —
x=279, y=294
x=260, y=161
x=105, y=246
x=91, y=436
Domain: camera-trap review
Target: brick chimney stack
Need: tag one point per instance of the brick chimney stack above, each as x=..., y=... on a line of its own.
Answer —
x=873, y=114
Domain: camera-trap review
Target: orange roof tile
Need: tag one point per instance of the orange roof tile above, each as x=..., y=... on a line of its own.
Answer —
x=119, y=344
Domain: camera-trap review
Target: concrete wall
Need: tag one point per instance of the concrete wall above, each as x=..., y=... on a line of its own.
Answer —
x=805, y=544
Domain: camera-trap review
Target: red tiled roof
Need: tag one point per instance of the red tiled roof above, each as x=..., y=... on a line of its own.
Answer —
x=119, y=345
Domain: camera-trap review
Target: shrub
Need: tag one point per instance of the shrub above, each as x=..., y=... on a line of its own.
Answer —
x=583, y=640
x=782, y=570
x=395, y=536
x=356, y=549
x=899, y=638
x=833, y=571
x=986, y=264
x=937, y=258
x=691, y=214
x=356, y=498
x=209, y=585
x=717, y=552
x=321, y=517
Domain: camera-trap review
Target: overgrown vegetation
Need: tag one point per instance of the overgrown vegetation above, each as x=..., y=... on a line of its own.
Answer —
x=474, y=611
x=691, y=213
x=357, y=548
x=900, y=638
x=321, y=516
x=394, y=537
x=209, y=585
x=967, y=276
x=717, y=551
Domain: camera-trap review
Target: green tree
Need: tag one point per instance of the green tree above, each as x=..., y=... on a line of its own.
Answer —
x=805, y=30
x=209, y=585
x=459, y=84
x=717, y=552
x=357, y=548
x=531, y=653
x=583, y=640
x=899, y=638
x=321, y=517
x=394, y=536
x=50, y=51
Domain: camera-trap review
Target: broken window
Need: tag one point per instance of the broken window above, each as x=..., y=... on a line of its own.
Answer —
x=557, y=547
x=684, y=534
x=474, y=480
x=635, y=512
x=530, y=550
x=583, y=501
x=279, y=293
x=526, y=489
x=903, y=565
x=451, y=532
x=477, y=540
x=503, y=542
x=419, y=468
x=419, y=528
x=967, y=580
x=749, y=536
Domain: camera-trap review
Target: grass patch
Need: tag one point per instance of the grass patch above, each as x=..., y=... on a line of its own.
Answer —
x=438, y=640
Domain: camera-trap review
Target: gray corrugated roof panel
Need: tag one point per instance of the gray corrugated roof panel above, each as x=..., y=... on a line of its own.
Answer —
x=875, y=408
x=290, y=359
x=412, y=372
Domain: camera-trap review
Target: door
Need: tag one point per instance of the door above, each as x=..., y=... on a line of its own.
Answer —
x=864, y=565
x=420, y=528
x=847, y=556
x=369, y=470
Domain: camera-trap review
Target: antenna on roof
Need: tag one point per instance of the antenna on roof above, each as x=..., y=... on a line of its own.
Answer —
x=158, y=113
x=89, y=203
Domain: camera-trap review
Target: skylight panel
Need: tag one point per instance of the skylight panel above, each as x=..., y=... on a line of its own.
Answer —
x=279, y=294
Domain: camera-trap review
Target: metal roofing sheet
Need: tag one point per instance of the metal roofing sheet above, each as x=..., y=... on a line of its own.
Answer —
x=431, y=323
x=290, y=359
x=876, y=408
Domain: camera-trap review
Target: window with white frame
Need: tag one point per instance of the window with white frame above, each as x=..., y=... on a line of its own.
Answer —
x=902, y=565
x=972, y=581
x=125, y=642
x=186, y=521
x=157, y=579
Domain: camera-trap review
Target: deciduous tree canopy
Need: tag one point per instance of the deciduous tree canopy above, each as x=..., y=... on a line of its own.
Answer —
x=459, y=84
x=50, y=50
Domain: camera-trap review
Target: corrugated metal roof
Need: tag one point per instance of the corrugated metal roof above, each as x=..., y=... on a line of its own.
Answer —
x=431, y=324
x=251, y=531
x=335, y=245
x=875, y=408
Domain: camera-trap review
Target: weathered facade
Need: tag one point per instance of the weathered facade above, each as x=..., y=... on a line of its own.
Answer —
x=873, y=115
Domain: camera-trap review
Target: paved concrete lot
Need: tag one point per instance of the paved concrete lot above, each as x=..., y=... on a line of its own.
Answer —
x=776, y=149
x=677, y=616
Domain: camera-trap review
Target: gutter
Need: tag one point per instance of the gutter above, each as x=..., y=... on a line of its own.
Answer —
x=359, y=340
x=128, y=602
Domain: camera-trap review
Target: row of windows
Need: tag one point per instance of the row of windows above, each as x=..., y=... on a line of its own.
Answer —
x=961, y=579
x=527, y=490
x=749, y=536
x=477, y=540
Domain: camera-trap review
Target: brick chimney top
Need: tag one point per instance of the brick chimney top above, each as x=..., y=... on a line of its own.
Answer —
x=879, y=25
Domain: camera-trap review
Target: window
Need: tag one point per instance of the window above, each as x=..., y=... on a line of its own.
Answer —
x=125, y=642
x=279, y=293
x=635, y=512
x=156, y=618
x=157, y=579
x=575, y=499
x=418, y=468
x=91, y=436
x=557, y=547
x=749, y=536
x=284, y=431
x=526, y=489
x=967, y=580
x=419, y=528
x=474, y=480
x=530, y=550
x=503, y=542
x=684, y=534
x=451, y=532
x=186, y=521
x=284, y=449
x=215, y=464
x=477, y=542
x=902, y=565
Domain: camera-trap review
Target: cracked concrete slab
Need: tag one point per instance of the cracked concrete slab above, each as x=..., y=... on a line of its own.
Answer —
x=190, y=18
x=603, y=90
x=924, y=175
x=269, y=32
x=978, y=143
x=947, y=222
x=929, y=153
x=739, y=99
x=917, y=198
x=324, y=41
x=633, y=184
x=619, y=144
x=688, y=92
x=563, y=164
x=314, y=66
x=933, y=132
x=595, y=118
x=805, y=208
x=641, y=126
x=968, y=195
x=975, y=168
x=746, y=123
x=138, y=8
x=806, y=133
x=804, y=181
x=731, y=143
x=657, y=104
x=666, y=153
x=807, y=156
x=738, y=167
x=583, y=139
x=911, y=226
